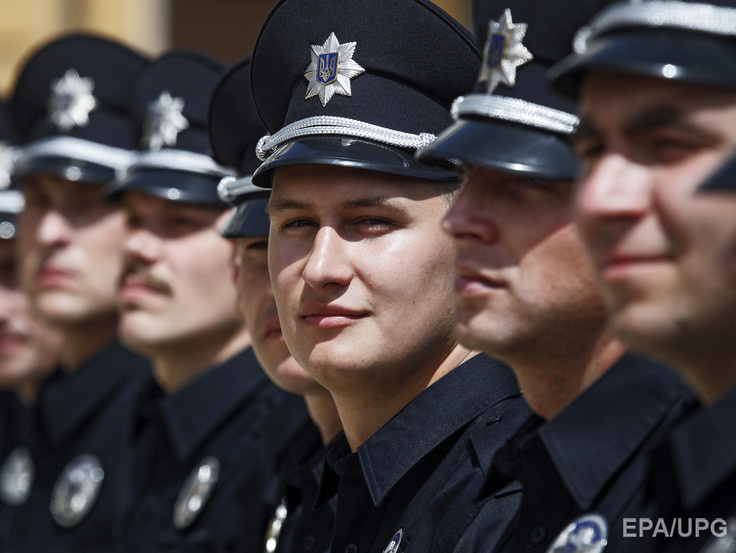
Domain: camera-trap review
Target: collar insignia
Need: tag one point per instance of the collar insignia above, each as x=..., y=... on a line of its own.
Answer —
x=503, y=52
x=76, y=490
x=71, y=101
x=195, y=492
x=588, y=533
x=16, y=477
x=331, y=69
x=393, y=545
x=164, y=121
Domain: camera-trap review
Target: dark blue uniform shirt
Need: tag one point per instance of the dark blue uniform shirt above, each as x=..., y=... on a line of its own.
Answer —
x=219, y=415
x=417, y=478
x=590, y=458
x=14, y=419
x=86, y=412
x=693, y=482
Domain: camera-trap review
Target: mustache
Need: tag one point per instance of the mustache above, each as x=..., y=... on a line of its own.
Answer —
x=138, y=275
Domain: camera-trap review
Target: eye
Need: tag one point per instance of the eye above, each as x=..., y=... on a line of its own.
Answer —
x=374, y=224
x=298, y=223
x=260, y=245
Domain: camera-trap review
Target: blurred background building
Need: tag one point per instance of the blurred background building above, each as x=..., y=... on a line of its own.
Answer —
x=224, y=28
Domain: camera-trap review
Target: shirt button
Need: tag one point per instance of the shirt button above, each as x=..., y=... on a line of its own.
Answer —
x=309, y=542
x=351, y=548
x=538, y=534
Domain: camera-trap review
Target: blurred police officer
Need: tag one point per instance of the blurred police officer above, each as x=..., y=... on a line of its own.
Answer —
x=69, y=108
x=296, y=526
x=656, y=87
x=361, y=272
x=527, y=295
x=28, y=349
x=200, y=472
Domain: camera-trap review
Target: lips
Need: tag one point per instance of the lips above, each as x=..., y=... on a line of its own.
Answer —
x=620, y=265
x=271, y=329
x=50, y=276
x=330, y=316
x=472, y=282
x=10, y=341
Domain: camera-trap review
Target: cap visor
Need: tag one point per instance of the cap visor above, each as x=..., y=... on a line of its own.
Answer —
x=248, y=220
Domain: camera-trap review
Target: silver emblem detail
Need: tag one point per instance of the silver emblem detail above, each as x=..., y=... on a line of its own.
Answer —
x=8, y=155
x=725, y=543
x=164, y=121
x=195, y=492
x=588, y=534
x=503, y=52
x=76, y=490
x=331, y=69
x=393, y=545
x=273, y=532
x=71, y=101
x=16, y=477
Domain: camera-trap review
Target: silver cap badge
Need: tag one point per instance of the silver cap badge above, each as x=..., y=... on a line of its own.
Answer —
x=588, y=533
x=76, y=490
x=71, y=101
x=16, y=477
x=195, y=492
x=331, y=69
x=503, y=52
x=164, y=121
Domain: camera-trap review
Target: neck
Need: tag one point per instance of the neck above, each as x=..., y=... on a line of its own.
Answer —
x=177, y=364
x=365, y=410
x=82, y=341
x=552, y=383
x=323, y=412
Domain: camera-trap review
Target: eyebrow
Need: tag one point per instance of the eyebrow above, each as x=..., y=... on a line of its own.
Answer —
x=286, y=204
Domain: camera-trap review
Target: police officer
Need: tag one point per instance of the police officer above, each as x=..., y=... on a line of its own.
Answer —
x=661, y=248
x=527, y=295
x=361, y=271
x=69, y=108
x=200, y=472
x=28, y=348
x=296, y=525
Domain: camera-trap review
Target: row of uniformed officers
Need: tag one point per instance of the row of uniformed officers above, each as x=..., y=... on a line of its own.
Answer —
x=382, y=286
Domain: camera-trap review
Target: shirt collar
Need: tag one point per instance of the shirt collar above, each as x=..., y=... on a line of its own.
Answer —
x=621, y=411
x=193, y=413
x=66, y=400
x=704, y=450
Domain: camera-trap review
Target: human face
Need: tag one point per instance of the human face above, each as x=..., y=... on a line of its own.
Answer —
x=70, y=245
x=524, y=285
x=177, y=288
x=259, y=307
x=659, y=248
x=28, y=348
x=362, y=275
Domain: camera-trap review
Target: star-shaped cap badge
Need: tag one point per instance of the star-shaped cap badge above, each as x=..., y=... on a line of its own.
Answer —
x=164, y=121
x=71, y=101
x=503, y=52
x=331, y=69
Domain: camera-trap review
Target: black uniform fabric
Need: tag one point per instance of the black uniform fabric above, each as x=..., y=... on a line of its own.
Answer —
x=84, y=412
x=220, y=414
x=692, y=479
x=299, y=460
x=420, y=473
x=590, y=458
x=14, y=419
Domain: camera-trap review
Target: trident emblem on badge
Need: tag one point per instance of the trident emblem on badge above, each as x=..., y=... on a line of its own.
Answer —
x=327, y=71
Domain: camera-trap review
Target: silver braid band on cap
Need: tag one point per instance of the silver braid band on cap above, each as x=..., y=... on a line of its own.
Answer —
x=328, y=125
x=672, y=14
x=230, y=188
x=515, y=110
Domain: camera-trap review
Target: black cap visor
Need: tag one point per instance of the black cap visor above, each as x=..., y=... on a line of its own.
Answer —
x=65, y=168
x=506, y=147
x=665, y=53
x=172, y=185
x=722, y=180
x=346, y=151
x=248, y=220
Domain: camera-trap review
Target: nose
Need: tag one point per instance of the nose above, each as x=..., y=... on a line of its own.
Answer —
x=468, y=218
x=615, y=188
x=328, y=265
x=141, y=246
x=53, y=229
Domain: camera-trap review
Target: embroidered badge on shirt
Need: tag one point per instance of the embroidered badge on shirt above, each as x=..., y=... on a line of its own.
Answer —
x=16, y=477
x=331, y=69
x=71, y=101
x=588, y=533
x=164, y=121
x=76, y=490
x=503, y=52
x=195, y=492
x=725, y=543
x=393, y=545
